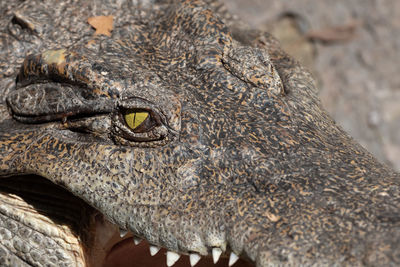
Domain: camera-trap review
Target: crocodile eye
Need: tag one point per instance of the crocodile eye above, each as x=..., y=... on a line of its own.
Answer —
x=139, y=121
x=135, y=119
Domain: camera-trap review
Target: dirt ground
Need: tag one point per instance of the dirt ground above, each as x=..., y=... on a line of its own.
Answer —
x=353, y=49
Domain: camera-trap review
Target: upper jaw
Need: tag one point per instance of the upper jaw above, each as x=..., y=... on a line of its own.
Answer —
x=296, y=213
x=112, y=242
x=252, y=240
x=90, y=238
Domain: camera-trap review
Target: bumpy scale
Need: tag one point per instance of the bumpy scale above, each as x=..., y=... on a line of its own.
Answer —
x=183, y=127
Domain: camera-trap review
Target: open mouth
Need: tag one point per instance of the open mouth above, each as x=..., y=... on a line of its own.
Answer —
x=127, y=253
x=98, y=243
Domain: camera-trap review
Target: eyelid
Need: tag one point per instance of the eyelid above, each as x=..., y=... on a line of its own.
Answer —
x=137, y=104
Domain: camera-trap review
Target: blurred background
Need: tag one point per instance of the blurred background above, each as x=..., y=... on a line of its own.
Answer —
x=353, y=50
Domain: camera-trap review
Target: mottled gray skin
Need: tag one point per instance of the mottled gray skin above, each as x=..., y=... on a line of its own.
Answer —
x=241, y=156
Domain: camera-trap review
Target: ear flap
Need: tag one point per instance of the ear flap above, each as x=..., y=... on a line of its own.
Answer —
x=254, y=67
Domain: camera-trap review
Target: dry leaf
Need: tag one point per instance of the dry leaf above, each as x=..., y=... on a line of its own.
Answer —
x=102, y=24
x=335, y=34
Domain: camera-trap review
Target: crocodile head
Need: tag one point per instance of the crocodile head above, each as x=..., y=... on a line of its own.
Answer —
x=178, y=130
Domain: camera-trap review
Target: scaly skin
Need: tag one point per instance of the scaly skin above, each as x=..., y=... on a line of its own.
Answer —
x=239, y=154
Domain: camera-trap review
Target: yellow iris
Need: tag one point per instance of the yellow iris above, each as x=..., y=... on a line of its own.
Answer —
x=135, y=119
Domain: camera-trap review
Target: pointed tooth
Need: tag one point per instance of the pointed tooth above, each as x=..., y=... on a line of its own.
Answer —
x=216, y=253
x=154, y=250
x=136, y=240
x=172, y=257
x=194, y=259
x=232, y=259
x=122, y=232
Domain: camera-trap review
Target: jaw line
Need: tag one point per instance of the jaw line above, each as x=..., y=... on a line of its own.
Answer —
x=98, y=242
x=115, y=247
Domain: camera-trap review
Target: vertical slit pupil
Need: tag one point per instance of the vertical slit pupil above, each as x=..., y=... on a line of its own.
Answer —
x=134, y=119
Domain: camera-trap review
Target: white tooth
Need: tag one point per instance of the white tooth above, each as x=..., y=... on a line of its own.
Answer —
x=232, y=259
x=154, y=250
x=136, y=240
x=194, y=259
x=122, y=232
x=172, y=257
x=216, y=253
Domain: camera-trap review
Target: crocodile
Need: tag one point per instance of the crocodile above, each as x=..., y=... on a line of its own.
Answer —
x=171, y=125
